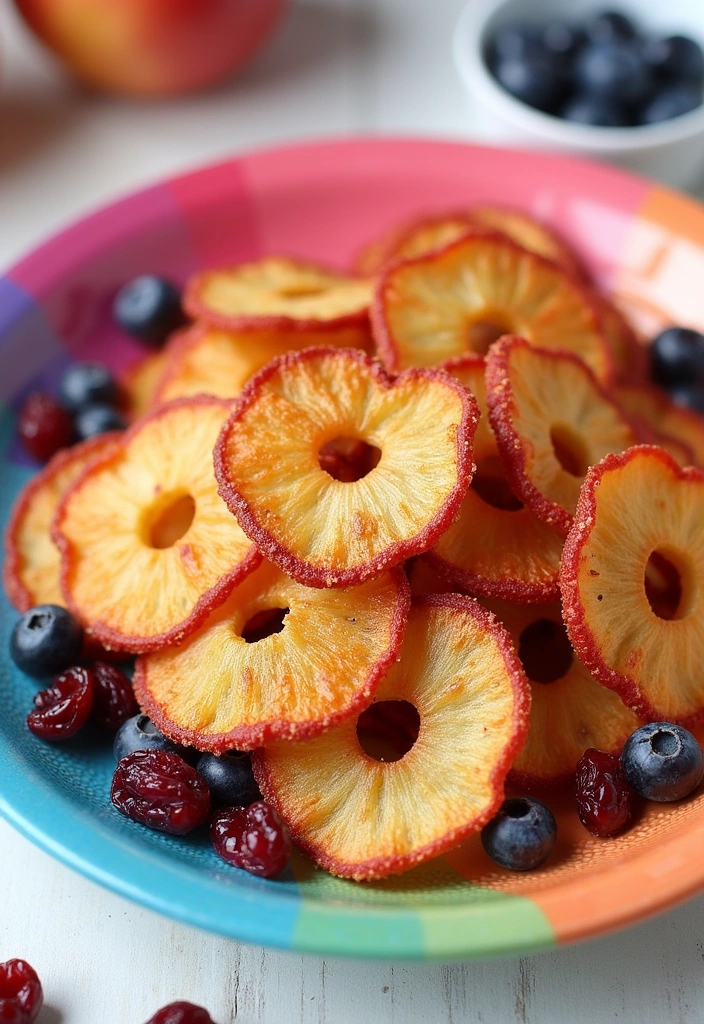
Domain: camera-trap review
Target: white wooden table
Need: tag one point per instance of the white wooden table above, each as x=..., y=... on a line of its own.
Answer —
x=335, y=66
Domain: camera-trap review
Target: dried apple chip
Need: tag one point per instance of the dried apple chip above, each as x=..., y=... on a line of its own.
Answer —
x=272, y=463
x=552, y=421
x=277, y=293
x=497, y=547
x=276, y=661
x=570, y=710
x=658, y=411
x=424, y=766
x=148, y=546
x=529, y=232
x=632, y=582
x=211, y=361
x=140, y=384
x=462, y=298
x=32, y=567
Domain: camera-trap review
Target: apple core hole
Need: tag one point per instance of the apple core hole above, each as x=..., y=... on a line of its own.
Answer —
x=545, y=651
x=168, y=520
x=482, y=333
x=263, y=624
x=348, y=459
x=569, y=450
x=388, y=729
x=490, y=483
x=665, y=743
x=516, y=807
x=300, y=291
x=663, y=587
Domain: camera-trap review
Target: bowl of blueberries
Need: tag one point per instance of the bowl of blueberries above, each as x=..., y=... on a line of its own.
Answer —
x=622, y=84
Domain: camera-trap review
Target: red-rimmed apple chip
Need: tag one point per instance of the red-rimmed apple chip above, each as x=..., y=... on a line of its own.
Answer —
x=142, y=380
x=496, y=547
x=462, y=298
x=276, y=661
x=32, y=562
x=659, y=412
x=211, y=361
x=277, y=293
x=632, y=582
x=424, y=766
x=413, y=238
x=414, y=466
x=552, y=421
x=570, y=710
x=531, y=233
x=148, y=546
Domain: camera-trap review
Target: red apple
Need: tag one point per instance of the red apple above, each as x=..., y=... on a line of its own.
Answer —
x=152, y=47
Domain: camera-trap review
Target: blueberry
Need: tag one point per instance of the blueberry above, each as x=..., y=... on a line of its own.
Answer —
x=521, y=835
x=609, y=27
x=46, y=641
x=670, y=102
x=512, y=41
x=662, y=761
x=140, y=733
x=677, y=357
x=561, y=38
x=617, y=70
x=600, y=111
x=689, y=397
x=230, y=779
x=149, y=308
x=98, y=419
x=533, y=79
x=86, y=384
x=675, y=58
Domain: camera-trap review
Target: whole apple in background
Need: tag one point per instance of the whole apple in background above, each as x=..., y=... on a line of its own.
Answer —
x=152, y=47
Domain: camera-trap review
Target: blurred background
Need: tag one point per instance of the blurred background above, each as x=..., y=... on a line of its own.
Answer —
x=329, y=67
x=183, y=82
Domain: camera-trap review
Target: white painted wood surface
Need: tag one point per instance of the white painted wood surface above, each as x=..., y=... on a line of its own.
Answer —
x=335, y=66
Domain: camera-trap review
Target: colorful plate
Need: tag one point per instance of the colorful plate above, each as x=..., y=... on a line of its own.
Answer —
x=324, y=202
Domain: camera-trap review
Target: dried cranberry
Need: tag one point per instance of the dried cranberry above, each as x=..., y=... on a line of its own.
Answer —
x=253, y=838
x=64, y=707
x=44, y=426
x=604, y=798
x=181, y=1013
x=113, y=697
x=21, y=995
x=159, y=789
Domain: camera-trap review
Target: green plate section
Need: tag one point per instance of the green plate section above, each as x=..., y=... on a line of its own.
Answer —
x=444, y=916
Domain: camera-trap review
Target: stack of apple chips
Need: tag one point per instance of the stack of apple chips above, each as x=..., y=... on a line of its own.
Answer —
x=404, y=534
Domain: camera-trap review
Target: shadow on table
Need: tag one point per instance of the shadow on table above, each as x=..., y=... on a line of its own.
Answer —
x=31, y=120
x=313, y=34
x=50, y=1015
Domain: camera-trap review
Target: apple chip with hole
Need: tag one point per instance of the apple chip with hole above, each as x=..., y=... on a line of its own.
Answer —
x=403, y=447
x=496, y=547
x=212, y=361
x=279, y=294
x=141, y=382
x=413, y=238
x=632, y=582
x=32, y=567
x=552, y=421
x=570, y=710
x=276, y=661
x=669, y=422
x=462, y=298
x=148, y=546
x=424, y=766
x=530, y=233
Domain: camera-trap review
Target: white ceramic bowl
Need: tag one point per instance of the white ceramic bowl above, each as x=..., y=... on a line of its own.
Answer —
x=671, y=151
